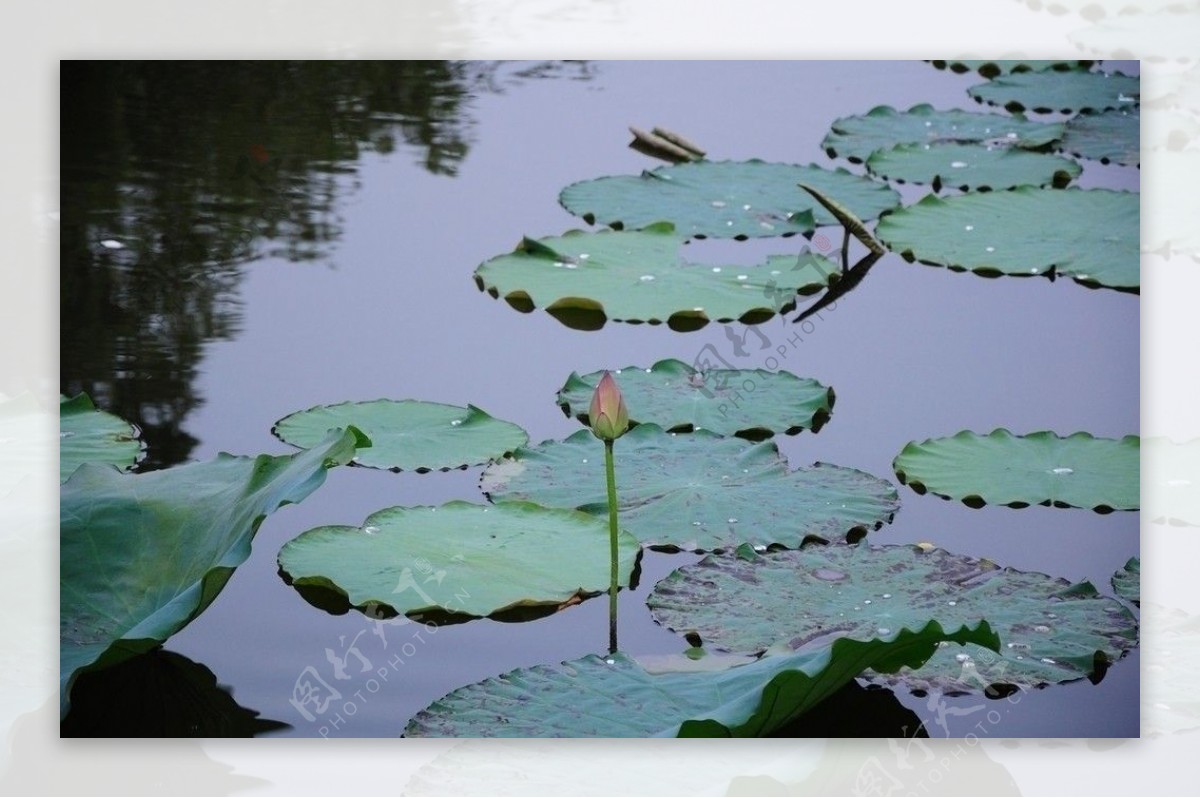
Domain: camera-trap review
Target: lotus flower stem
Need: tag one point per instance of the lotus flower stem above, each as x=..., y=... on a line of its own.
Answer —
x=614, y=575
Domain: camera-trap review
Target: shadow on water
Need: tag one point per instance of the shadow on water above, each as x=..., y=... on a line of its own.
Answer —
x=174, y=174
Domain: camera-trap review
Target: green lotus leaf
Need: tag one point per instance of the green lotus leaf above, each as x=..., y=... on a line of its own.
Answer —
x=883, y=127
x=460, y=558
x=615, y=697
x=991, y=69
x=1019, y=470
x=1172, y=476
x=1089, y=235
x=971, y=166
x=638, y=276
x=754, y=404
x=408, y=435
x=1110, y=137
x=1127, y=583
x=88, y=435
x=144, y=554
x=1052, y=631
x=1065, y=92
x=725, y=199
x=158, y=694
x=697, y=491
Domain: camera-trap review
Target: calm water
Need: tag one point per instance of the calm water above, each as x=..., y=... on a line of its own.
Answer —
x=243, y=241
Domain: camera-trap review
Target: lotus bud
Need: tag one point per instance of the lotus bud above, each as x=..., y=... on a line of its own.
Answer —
x=608, y=415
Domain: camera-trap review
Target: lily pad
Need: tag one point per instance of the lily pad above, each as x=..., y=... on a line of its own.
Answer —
x=1110, y=137
x=88, y=435
x=971, y=166
x=1172, y=482
x=408, y=435
x=1090, y=235
x=144, y=554
x=995, y=68
x=1127, y=583
x=460, y=558
x=584, y=279
x=725, y=199
x=883, y=127
x=615, y=697
x=1052, y=631
x=697, y=491
x=1020, y=470
x=753, y=404
x=1064, y=92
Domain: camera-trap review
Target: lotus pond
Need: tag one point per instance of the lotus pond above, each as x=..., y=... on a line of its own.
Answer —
x=879, y=484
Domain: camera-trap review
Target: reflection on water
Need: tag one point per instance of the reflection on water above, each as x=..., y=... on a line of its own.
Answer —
x=174, y=174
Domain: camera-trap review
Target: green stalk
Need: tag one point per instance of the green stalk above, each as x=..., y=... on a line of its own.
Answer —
x=610, y=474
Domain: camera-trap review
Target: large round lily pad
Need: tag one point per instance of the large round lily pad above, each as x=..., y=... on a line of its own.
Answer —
x=1052, y=631
x=883, y=127
x=753, y=404
x=1089, y=235
x=584, y=279
x=144, y=554
x=616, y=697
x=726, y=199
x=88, y=435
x=1019, y=470
x=460, y=558
x=1110, y=137
x=1065, y=92
x=1127, y=582
x=697, y=491
x=408, y=435
x=971, y=166
x=994, y=68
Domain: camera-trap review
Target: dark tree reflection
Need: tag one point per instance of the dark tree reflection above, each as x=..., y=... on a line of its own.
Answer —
x=175, y=174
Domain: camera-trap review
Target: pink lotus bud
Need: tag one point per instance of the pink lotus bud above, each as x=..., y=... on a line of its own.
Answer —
x=608, y=415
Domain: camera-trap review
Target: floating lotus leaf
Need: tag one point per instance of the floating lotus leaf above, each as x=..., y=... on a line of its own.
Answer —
x=1110, y=137
x=1090, y=235
x=460, y=558
x=1020, y=470
x=754, y=404
x=725, y=199
x=1065, y=92
x=1052, y=631
x=971, y=166
x=616, y=697
x=144, y=554
x=883, y=127
x=1127, y=583
x=697, y=491
x=408, y=435
x=638, y=276
x=88, y=435
x=991, y=69
x=1172, y=482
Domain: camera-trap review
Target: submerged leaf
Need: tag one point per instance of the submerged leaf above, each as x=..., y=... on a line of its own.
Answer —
x=1019, y=470
x=584, y=279
x=616, y=697
x=88, y=435
x=144, y=554
x=408, y=435
x=971, y=167
x=1090, y=235
x=754, y=404
x=725, y=199
x=459, y=558
x=883, y=127
x=1065, y=92
x=697, y=491
x=1052, y=631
